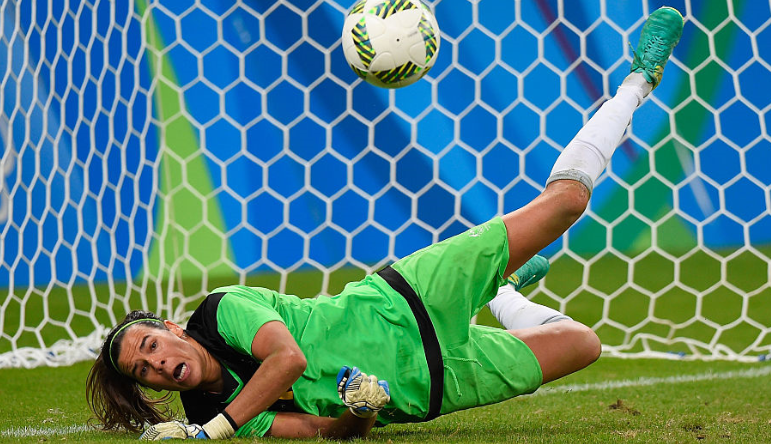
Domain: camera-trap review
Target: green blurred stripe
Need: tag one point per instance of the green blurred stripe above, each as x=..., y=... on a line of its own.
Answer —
x=189, y=224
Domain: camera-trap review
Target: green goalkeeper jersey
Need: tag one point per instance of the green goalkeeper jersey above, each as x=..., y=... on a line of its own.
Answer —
x=379, y=336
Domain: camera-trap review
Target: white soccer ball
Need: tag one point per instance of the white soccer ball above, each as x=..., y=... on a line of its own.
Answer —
x=390, y=43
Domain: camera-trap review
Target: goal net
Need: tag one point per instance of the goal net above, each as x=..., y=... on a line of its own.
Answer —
x=152, y=150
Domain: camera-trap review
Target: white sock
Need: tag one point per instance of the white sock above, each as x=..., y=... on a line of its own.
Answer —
x=587, y=155
x=514, y=311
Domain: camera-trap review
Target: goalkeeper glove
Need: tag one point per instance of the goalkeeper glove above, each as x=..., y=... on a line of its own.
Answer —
x=173, y=430
x=218, y=428
x=364, y=395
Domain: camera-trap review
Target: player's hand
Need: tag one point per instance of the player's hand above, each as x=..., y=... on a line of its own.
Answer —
x=363, y=394
x=173, y=430
x=218, y=428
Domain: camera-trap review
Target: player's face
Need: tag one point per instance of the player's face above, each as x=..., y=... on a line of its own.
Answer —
x=162, y=359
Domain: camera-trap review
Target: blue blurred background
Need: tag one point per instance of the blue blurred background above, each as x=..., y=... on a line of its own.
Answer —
x=237, y=136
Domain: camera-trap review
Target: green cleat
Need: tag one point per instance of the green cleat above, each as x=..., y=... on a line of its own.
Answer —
x=658, y=38
x=530, y=273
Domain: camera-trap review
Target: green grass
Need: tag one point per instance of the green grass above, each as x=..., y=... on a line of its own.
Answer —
x=724, y=410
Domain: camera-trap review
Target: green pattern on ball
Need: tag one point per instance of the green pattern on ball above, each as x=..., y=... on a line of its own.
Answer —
x=397, y=74
x=358, y=7
x=388, y=8
x=429, y=37
x=361, y=41
x=359, y=72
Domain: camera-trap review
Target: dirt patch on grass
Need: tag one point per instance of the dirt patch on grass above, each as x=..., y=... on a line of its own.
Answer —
x=621, y=406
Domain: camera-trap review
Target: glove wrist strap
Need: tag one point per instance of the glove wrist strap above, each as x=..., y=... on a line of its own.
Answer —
x=221, y=427
x=230, y=420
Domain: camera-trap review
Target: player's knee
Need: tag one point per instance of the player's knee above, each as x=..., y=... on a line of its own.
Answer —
x=592, y=346
x=571, y=197
x=585, y=343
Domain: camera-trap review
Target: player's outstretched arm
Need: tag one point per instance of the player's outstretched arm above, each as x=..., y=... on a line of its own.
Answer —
x=282, y=364
x=285, y=425
x=363, y=394
x=303, y=425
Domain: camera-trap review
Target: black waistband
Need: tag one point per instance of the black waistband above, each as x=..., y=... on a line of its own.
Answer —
x=427, y=335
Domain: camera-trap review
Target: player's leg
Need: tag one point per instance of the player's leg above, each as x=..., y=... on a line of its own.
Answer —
x=561, y=347
x=515, y=311
x=496, y=365
x=567, y=192
x=567, y=346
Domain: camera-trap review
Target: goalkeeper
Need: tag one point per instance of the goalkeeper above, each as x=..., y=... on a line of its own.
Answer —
x=253, y=362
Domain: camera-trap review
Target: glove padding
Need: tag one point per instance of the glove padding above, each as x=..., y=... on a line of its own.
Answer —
x=173, y=430
x=218, y=428
x=363, y=394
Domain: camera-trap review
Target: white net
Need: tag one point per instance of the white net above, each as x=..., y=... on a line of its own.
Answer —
x=154, y=150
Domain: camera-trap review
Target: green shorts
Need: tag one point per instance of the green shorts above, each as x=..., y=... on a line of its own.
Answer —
x=492, y=367
x=454, y=279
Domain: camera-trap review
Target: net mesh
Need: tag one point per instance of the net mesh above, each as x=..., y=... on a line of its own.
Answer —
x=154, y=150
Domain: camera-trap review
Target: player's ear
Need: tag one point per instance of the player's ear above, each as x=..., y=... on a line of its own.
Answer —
x=174, y=328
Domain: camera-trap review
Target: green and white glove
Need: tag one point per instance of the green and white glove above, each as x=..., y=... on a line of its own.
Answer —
x=218, y=428
x=363, y=394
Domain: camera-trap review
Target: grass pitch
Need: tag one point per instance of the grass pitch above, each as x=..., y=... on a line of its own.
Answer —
x=613, y=401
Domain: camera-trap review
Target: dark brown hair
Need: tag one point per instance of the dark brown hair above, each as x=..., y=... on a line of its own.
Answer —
x=117, y=400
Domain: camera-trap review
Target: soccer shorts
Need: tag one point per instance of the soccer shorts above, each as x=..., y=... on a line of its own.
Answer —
x=491, y=367
x=454, y=279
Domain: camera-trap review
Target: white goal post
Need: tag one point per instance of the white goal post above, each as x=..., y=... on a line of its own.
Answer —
x=151, y=150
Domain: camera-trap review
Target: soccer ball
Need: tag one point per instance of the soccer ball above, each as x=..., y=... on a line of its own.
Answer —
x=390, y=43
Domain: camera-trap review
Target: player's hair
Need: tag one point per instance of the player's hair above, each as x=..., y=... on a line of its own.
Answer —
x=117, y=400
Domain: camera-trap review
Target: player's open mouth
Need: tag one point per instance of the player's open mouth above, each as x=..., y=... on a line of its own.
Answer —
x=181, y=371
